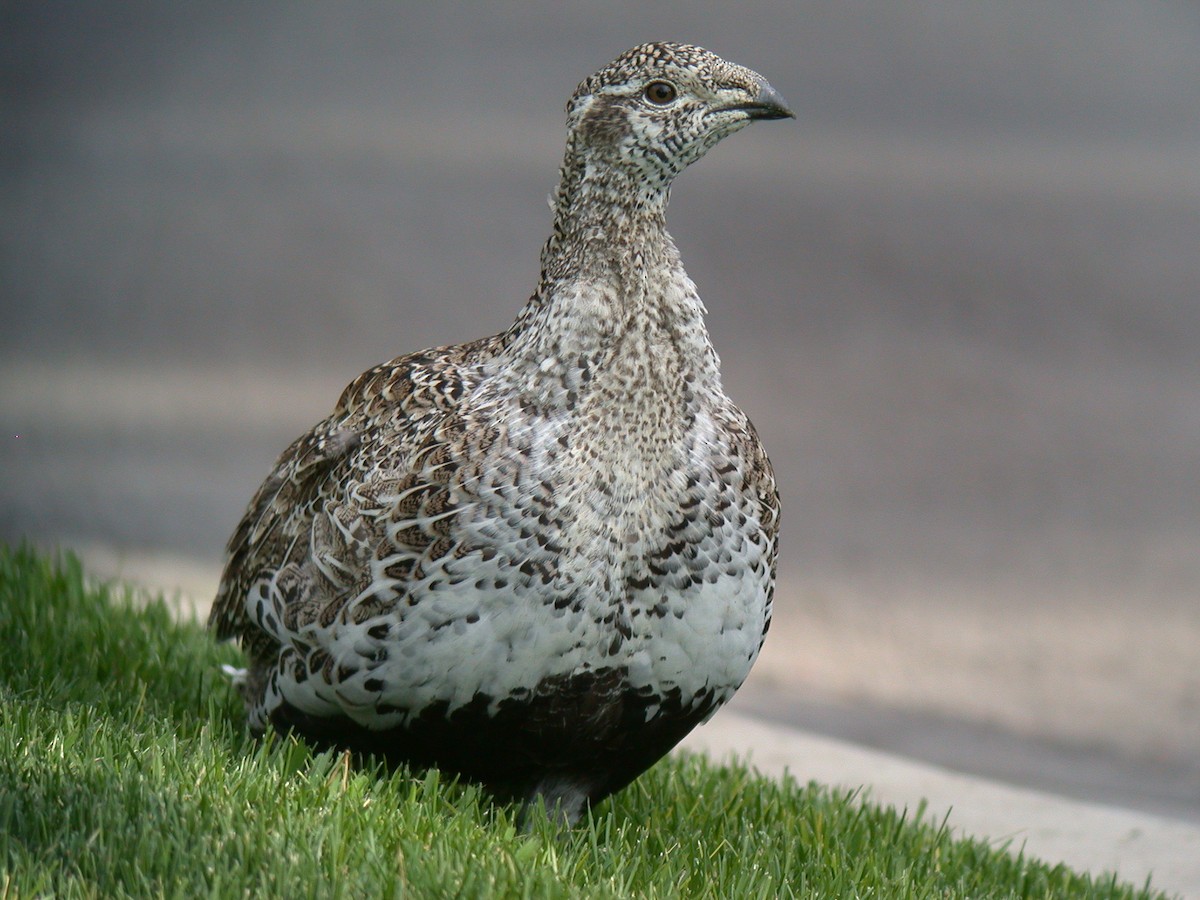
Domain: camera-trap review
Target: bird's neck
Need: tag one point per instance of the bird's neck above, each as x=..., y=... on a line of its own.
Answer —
x=612, y=283
x=609, y=227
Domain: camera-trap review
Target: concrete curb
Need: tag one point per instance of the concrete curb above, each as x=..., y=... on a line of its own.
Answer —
x=1087, y=837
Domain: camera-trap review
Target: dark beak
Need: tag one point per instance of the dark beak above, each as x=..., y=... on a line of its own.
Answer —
x=769, y=104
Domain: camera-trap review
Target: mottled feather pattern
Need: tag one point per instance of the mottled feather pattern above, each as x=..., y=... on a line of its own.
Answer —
x=540, y=558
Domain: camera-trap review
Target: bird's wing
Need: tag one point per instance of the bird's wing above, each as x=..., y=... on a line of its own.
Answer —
x=270, y=523
x=314, y=520
x=758, y=475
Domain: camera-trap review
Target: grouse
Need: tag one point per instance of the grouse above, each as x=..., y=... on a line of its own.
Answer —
x=539, y=559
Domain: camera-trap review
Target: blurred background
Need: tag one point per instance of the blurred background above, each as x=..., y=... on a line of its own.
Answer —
x=958, y=296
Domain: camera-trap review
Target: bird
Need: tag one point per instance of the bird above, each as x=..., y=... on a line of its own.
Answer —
x=536, y=560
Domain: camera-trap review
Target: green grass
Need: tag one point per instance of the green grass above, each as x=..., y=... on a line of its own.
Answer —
x=126, y=770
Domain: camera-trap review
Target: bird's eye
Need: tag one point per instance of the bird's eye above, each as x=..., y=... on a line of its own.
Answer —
x=660, y=93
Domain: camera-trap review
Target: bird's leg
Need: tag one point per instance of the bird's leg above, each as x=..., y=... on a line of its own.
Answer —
x=564, y=800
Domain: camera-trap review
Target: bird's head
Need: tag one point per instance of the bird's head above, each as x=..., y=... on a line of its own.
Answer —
x=659, y=107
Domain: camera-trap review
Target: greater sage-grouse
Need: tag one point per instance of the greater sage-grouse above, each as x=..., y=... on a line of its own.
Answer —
x=539, y=559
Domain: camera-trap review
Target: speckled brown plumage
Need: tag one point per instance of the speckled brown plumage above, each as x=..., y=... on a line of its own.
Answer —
x=538, y=559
